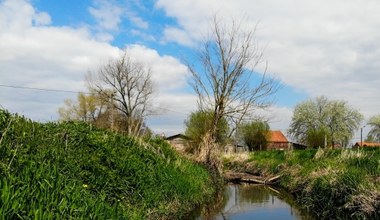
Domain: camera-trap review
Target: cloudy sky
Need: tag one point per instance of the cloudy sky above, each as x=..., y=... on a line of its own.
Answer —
x=325, y=47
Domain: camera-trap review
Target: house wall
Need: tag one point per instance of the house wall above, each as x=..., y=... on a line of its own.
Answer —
x=278, y=146
x=231, y=148
x=178, y=143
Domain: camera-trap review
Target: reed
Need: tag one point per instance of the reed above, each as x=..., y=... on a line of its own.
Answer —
x=331, y=183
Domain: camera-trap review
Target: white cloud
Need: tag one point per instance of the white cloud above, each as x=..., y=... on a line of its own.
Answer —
x=44, y=57
x=107, y=14
x=167, y=71
x=178, y=35
x=171, y=103
x=49, y=57
x=139, y=22
x=18, y=14
x=144, y=36
x=319, y=47
x=174, y=108
x=279, y=118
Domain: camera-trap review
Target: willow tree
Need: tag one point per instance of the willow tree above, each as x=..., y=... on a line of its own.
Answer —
x=255, y=134
x=198, y=124
x=374, y=122
x=224, y=78
x=131, y=89
x=322, y=122
x=88, y=107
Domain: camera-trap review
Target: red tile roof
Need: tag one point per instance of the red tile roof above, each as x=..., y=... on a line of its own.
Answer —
x=277, y=137
x=367, y=144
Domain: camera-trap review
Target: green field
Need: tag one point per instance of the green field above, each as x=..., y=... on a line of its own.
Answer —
x=329, y=183
x=75, y=171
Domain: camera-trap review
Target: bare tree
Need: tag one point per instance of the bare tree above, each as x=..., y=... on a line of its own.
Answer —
x=128, y=84
x=226, y=83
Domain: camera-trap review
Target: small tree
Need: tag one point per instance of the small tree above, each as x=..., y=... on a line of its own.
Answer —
x=255, y=134
x=199, y=123
x=131, y=86
x=87, y=107
x=317, y=137
x=93, y=109
x=374, y=133
x=333, y=119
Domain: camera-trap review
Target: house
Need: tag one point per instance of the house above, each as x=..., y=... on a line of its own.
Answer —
x=235, y=148
x=178, y=141
x=366, y=144
x=298, y=146
x=277, y=141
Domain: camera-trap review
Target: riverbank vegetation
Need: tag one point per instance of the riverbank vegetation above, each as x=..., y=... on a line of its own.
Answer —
x=329, y=183
x=74, y=170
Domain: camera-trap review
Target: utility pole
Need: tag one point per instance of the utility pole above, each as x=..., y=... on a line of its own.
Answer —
x=112, y=117
x=361, y=136
x=112, y=109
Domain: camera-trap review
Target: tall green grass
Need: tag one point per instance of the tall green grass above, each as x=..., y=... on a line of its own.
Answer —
x=75, y=171
x=331, y=183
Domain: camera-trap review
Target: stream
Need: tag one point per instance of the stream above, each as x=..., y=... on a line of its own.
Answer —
x=251, y=201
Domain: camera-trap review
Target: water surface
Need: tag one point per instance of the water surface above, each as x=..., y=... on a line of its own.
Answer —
x=250, y=201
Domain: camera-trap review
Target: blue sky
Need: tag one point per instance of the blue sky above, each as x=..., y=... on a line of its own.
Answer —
x=78, y=13
x=310, y=47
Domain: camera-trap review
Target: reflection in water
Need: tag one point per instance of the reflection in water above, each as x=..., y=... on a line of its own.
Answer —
x=251, y=201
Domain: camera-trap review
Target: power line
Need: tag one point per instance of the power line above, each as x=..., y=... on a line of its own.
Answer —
x=70, y=91
x=40, y=89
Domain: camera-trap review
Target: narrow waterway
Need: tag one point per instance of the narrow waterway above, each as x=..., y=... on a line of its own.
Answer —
x=250, y=201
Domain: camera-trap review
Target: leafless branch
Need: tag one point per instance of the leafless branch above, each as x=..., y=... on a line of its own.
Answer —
x=228, y=84
x=131, y=86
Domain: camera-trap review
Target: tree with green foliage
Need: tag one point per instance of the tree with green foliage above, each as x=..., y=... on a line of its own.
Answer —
x=92, y=108
x=321, y=122
x=97, y=110
x=87, y=107
x=255, y=134
x=374, y=133
x=317, y=137
x=199, y=123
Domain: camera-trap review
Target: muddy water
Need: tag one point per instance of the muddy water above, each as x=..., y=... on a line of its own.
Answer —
x=249, y=201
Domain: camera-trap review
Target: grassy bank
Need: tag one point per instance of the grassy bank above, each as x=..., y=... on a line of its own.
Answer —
x=330, y=183
x=73, y=170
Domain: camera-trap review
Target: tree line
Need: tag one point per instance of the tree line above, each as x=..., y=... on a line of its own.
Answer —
x=229, y=92
x=316, y=123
